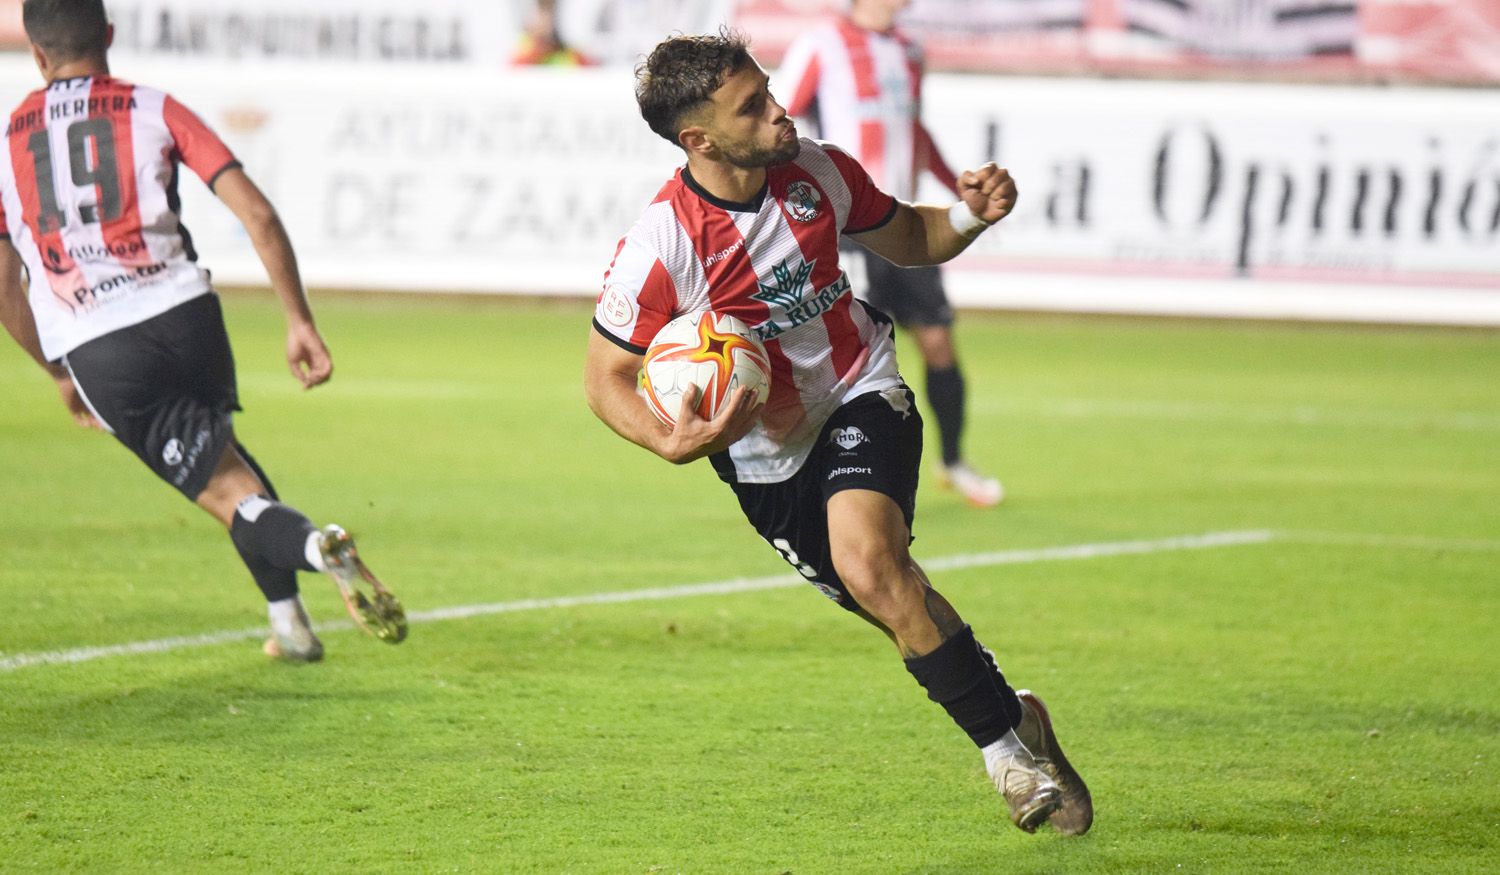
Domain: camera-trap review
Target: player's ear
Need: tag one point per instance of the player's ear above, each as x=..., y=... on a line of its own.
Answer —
x=695, y=140
x=109, y=36
x=41, y=59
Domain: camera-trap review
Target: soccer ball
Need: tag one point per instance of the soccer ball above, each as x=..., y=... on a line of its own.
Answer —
x=715, y=352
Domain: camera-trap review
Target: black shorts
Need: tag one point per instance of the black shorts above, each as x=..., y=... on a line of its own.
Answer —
x=913, y=296
x=165, y=388
x=873, y=442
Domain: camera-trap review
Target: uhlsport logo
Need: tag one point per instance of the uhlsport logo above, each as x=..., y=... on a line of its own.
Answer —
x=802, y=201
x=848, y=438
x=848, y=469
x=172, y=452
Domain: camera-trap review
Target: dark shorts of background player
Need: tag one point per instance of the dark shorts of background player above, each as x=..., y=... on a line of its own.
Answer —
x=166, y=388
x=867, y=444
x=913, y=296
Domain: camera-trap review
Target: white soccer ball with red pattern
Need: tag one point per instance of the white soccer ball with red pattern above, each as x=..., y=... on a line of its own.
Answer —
x=715, y=352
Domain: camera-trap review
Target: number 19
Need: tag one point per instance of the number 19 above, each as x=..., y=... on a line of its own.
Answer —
x=92, y=138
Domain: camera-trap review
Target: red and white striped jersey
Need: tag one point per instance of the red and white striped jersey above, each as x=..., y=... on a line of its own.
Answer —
x=864, y=88
x=774, y=264
x=88, y=195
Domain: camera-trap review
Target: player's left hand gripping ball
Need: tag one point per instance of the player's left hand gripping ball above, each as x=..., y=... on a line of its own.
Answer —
x=716, y=352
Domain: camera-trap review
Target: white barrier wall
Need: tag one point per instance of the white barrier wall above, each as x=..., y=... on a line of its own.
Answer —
x=1234, y=199
x=1156, y=197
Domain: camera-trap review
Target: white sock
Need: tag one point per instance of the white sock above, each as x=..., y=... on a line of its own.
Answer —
x=284, y=613
x=1006, y=747
x=252, y=506
x=314, y=553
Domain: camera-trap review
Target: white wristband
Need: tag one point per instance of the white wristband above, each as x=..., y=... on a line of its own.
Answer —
x=965, y=222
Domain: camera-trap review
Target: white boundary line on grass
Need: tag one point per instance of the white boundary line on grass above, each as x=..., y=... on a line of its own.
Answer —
x=1069, y=407
x=1412, y=542
x=1205, y=541
x=723, y=587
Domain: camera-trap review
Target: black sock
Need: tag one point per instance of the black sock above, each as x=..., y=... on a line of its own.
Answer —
x=1008, y=697
x=960, y=677
x=272, y=540
x=945, y=392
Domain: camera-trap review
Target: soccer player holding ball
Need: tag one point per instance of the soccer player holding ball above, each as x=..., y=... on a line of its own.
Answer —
x=124, y=319
x=826, y=469
x=860, y=79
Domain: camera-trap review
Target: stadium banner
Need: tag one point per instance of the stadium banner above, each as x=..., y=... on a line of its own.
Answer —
x=1233, y=198
x=1154, y=197
x=442, y=32
x=1436, y=41
x=1453, y=41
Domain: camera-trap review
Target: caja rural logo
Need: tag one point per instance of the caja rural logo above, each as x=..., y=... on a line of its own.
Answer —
x=788, y=294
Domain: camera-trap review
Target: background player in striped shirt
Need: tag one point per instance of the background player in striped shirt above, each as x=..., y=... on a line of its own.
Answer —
x=123, y=318
x=860, y=79
x=826, y=471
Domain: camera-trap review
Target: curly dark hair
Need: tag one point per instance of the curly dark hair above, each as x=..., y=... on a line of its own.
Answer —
x=68, y=29
x=682, y=72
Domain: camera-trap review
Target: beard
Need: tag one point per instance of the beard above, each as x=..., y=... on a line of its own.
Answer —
x=748, y=157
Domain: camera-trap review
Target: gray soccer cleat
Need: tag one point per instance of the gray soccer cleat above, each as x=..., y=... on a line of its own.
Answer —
x=1030, y=793
x=1076, y=813
x=378, y=613
x=292, y=639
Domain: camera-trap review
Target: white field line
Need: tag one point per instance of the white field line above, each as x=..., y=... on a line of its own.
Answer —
x=782, y=581
x=1413, y=542
x=1069, y=408
x=723, y=587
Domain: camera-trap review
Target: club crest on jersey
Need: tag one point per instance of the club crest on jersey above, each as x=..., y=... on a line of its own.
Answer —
x=789, y=294
x=172, y=452
x=802, y=201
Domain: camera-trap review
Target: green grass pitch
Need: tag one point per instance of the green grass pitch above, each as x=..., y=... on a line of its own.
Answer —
x=1319, y=697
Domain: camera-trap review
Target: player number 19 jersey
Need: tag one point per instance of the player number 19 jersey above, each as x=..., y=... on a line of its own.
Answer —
x=88, y=196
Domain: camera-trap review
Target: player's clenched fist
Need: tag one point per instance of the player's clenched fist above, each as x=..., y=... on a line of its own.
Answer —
x=989, y=192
